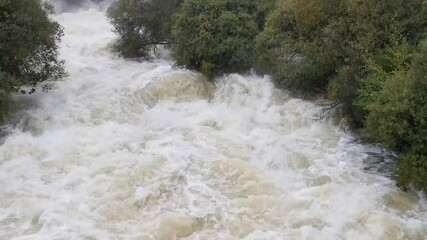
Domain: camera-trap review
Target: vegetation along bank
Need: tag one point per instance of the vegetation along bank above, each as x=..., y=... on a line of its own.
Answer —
x=368, y=55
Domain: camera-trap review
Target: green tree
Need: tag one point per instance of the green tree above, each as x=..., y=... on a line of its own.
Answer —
x=218, y=36
x=397, y=117
x=364, y=53
x=322, y=45
x=28, y=47
x=380, y=68
x=142, y=25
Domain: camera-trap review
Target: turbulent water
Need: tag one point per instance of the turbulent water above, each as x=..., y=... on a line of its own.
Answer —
x=127, y=150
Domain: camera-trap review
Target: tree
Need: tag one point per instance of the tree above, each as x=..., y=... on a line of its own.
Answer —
x=365, y=53
x=142, y=25
x=394, y=60
x=398, y=118
x=321, y=45
x=28, y=46
x=218, y=36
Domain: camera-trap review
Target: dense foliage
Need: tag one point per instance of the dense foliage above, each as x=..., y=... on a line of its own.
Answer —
x=142, y=25
x=365, y=54
x=218, y=36
x=28, y=47
x=398, y=118
x=212, y=36
x=319, y=45
x=360, y=53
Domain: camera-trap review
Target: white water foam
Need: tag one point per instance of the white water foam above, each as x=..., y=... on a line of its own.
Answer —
x=127, y=150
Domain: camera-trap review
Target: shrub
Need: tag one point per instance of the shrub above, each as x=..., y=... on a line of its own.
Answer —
x=380, y=68
x=28, y=47
x=412, y=171
x=308, y=44
x=142, y=25
x=28, y=44
x=218, y=36
x=397, y=117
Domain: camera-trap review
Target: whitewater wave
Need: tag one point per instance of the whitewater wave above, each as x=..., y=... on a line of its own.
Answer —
x=127, y=150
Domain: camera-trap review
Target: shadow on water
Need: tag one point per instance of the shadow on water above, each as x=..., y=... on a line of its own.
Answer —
x=379, y=160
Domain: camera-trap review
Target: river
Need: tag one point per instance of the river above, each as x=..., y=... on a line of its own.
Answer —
x=128, y=150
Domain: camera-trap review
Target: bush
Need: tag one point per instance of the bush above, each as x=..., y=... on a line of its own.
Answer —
x=397, y=117
x=308, y=44
x=412, y=171
x=28, y=44
x=218, y=36
x=28, y=47
x=380, y=68
x=142, y=25
x=362, y=53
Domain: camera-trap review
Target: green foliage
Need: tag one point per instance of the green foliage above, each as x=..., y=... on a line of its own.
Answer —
x=28, y=47
x=380, y=68
x=308, y=44
x=398, y=118
x=362, y=53
x=142, y=25
x=412, y=171
x=218, y=36
x=28, y=44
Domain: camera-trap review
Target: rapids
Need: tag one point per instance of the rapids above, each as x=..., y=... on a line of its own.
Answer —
x=128, y=150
